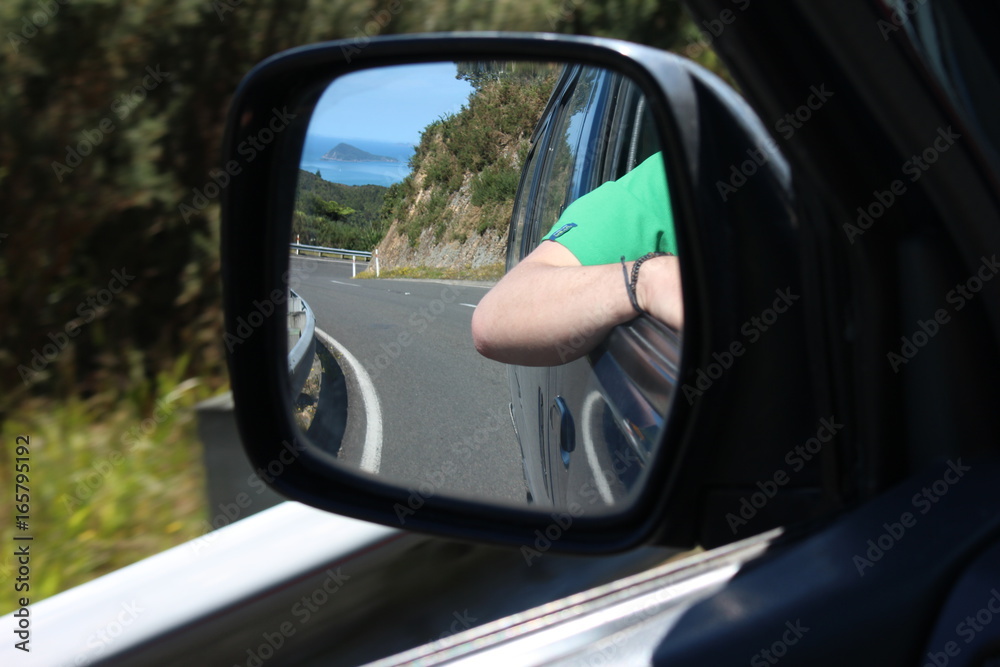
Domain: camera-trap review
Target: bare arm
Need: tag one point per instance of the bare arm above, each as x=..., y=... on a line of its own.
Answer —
x=550, y=310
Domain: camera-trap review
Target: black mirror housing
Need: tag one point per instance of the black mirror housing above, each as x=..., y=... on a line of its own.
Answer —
x=739, y=247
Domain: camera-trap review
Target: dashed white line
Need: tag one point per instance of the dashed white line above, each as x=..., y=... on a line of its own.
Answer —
x=371, y=455
x=348, y=284
x=470, y=305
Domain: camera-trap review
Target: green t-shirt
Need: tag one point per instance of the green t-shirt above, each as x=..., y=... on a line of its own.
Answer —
x=631, y=216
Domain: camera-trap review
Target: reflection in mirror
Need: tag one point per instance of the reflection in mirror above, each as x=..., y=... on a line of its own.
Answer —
x=407, y=186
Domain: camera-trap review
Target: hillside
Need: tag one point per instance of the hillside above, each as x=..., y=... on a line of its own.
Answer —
x=337, y=215
x=454, y=208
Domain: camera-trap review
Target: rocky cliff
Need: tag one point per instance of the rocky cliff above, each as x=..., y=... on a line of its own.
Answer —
x=453, y=210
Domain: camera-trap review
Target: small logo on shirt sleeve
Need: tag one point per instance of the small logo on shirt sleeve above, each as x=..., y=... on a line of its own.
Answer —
x=562, y=230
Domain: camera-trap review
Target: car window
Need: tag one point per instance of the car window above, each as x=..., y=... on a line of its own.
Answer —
x=599, y=131
x=522, y=202
x=964, y=62
x=635, y=132
x=571, y=151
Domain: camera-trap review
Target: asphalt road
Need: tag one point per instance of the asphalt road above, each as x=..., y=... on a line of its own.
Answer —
x=445, y=422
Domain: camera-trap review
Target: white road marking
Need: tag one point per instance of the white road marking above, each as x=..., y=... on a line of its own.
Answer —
x=470, y=305
x=588, y=445
x=371, y=455
x=348, y=284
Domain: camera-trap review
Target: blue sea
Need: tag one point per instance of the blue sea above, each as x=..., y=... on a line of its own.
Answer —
x=357, y=173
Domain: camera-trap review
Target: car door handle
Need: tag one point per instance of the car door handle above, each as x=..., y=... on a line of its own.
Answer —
x=567, y=429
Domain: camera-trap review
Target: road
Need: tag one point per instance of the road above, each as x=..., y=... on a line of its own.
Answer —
x=445, y=422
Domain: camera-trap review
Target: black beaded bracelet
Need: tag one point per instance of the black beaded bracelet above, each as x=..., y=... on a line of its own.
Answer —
x=630, y=285
x=630, y=289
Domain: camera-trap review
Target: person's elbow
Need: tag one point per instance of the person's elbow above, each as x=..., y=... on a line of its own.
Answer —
x=484, y=332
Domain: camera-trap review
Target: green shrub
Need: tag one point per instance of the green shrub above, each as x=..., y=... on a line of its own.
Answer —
x=495, y=184
x=494, y=216
x=432, y=213
x=443, y=169
x=476, y=142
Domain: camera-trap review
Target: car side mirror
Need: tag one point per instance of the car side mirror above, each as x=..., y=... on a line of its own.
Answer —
x=365, y=396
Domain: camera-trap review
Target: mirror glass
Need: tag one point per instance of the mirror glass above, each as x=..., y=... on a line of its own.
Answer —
x=409, y=180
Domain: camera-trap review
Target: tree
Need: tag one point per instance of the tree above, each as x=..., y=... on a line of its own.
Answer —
x=329, y=209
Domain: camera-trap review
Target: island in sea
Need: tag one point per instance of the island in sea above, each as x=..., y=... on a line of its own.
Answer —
x=347, y=153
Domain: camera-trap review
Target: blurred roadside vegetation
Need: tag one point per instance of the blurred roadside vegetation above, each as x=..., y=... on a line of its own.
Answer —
x=111, y=118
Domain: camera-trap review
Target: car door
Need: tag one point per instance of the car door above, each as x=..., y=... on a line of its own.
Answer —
x=586, y=427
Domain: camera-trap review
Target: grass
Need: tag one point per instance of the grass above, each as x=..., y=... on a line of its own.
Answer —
x=112, y=480
x=490, y=273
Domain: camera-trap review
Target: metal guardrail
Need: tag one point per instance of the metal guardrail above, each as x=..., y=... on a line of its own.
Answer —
x=343, y=252
x=301, y=341
x=340, y=252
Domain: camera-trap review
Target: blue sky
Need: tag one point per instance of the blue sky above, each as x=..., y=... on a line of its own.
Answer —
x=389, y=103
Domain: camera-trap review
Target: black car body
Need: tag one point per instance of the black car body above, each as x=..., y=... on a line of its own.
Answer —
x=878, y=209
